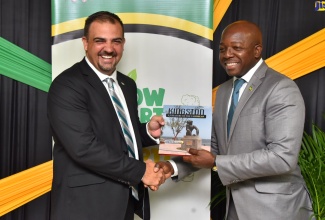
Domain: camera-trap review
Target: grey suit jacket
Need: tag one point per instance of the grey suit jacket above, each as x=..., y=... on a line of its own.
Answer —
x=258, y=162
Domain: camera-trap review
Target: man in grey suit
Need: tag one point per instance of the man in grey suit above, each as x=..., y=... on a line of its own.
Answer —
x=257, y=158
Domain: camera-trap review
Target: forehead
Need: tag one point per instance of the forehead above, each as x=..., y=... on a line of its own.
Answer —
x=101, y=28
x=235, y=37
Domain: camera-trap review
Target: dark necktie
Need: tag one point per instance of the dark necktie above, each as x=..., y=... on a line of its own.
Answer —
x=234, y=101
x=121, y=116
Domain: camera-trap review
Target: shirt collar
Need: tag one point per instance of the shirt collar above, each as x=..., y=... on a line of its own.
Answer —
x=101, y=76
x=251, y=72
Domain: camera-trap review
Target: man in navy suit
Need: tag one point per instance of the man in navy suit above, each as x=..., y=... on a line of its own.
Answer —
x=94, y=176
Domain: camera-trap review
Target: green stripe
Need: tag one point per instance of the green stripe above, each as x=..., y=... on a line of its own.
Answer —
x=20, y=65
x=197, y=11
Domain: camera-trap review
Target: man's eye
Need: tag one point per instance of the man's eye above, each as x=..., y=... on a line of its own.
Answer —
x=99, y=41
x=238, y=48
x=221, y=49
x=118, y=41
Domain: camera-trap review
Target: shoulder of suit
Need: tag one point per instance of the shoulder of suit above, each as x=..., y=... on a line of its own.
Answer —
x=72, y=73
x=264, y=72
x=275, y=74
x=122, y=77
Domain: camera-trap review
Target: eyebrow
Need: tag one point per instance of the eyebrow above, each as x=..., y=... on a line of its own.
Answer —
x=104, y=39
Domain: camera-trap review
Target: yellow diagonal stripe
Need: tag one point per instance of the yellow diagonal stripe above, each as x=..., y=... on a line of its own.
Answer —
x=20, y=188
x=301, y=58
x=219, y=9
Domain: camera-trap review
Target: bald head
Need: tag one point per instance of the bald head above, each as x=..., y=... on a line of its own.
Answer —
x=251, y=30
x=240, y=47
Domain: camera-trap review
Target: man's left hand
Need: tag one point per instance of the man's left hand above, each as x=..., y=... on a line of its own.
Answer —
x=200, y=158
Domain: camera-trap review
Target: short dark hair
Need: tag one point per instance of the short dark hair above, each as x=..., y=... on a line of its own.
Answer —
x=102, y=16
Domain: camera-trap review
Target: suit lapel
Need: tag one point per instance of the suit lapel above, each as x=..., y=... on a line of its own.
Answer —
x=225, y=95
x=125, y=87
x=126, y=92
x=91, y=77
x=250, y=89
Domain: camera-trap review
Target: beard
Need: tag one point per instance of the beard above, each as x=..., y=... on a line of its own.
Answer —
x=107, y=67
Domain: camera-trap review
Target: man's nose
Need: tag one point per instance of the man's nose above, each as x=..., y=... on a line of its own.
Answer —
x=229, y=52
x=108, y=46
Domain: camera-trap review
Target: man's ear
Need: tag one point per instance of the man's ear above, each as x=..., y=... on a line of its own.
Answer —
x=258, y=50
x=85, y=43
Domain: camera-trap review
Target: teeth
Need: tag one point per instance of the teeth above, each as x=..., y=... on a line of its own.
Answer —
x=107, y=57
x=231, y=64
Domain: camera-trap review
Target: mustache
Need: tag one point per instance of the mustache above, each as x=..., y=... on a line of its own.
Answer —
x=104, y=53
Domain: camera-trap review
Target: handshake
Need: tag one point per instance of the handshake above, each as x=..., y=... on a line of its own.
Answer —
x=157, y=173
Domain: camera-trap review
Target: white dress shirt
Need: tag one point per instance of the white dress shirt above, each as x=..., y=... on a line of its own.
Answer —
x=119, y=92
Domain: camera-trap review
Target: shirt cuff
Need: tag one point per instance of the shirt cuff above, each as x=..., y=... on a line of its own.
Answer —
x=154, y=139
x=174, y=167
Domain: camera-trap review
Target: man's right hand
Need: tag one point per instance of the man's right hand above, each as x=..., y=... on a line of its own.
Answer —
x=153, y=177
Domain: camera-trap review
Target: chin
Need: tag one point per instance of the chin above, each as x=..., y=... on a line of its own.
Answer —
x=231, y=74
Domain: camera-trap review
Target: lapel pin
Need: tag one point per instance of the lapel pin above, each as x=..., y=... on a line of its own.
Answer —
x=250, y=88
x=123, y=83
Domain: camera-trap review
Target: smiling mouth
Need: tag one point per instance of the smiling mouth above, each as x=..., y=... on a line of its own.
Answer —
x=107, y=56
x=230, y=64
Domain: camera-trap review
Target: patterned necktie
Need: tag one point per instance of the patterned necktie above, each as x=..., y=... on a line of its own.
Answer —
x=121, y=116
x=234, y=101
x=124, y=125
